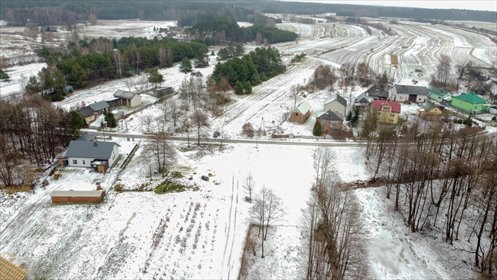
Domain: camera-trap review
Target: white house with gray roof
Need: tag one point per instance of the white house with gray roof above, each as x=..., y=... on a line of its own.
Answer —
x=128, y=98
x=88, y=152
x=408, y=93
x=336, y=104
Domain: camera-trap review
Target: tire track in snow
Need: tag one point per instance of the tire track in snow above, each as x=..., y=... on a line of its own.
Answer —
x=231, y=227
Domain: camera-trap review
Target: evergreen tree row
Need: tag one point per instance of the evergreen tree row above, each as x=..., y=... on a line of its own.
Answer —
x=85, y=63
x=249, y=70
x=212, y=28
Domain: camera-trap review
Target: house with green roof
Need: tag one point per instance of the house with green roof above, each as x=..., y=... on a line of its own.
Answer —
x=438, y=94
x=470, y=103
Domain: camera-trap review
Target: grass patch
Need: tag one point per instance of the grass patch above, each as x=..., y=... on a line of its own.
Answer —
x=17, y=189
x=176, y=175
x=169, y=186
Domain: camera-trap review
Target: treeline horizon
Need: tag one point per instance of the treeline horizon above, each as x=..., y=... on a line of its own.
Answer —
x=16, y=12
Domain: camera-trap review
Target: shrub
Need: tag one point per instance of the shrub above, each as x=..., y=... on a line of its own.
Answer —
x=248, y=130
x=317, y=130
x=119, y=188
x=169, y=186
x=176, y=175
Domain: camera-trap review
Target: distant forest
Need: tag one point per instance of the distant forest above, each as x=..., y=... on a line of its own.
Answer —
x=47, y=12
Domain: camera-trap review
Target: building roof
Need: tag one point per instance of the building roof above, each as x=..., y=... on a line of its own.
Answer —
x=86, y=111
x=338, y=98
x=90, y=149
x=408, y=89
x=100, y=105
x=71, y=193
x=11, y=271
x=303, y=108
x=427, y=106
x=438, y=92
x=124, y=94
x=378, y=104
x=331, y=116
x=363, y=99
x=378, y=90
x=471, y=98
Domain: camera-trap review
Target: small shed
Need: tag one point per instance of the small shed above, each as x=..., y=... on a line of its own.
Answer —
x=127, y=98
x=87, y=113
x=71, y=196
x=99, y=107
x=301, y=113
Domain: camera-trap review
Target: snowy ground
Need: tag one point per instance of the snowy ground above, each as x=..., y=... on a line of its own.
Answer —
x=396, y=253
x=18, y=78
x=200, y=234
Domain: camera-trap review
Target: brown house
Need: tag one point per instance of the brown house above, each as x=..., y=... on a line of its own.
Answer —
x=77, y=196
x=301, y=113
x=330, y=121
x=430, y=111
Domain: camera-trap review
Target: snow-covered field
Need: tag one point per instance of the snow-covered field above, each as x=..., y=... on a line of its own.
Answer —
x=200, y=234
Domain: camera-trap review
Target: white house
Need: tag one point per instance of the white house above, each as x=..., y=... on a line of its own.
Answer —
x=407, y=93
x=336, y=104
x=127, y=98
x=99, y=155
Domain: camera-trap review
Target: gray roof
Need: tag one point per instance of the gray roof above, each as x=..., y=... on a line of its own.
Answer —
x=415, y=90
x=331, y=116
x=86, y=111
x=124, y=94
x=303, y=108
x=378, y=91
x=363, y=99
x=338, y=98
x=90, y=149
x=100, y=105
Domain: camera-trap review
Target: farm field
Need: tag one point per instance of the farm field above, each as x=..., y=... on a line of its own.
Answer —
x=200, y=233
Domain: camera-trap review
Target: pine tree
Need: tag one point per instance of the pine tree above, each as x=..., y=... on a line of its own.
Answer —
x=238, y=87
x=185, y=66
x=317, y=130
x=349, y=116
x=110, y=120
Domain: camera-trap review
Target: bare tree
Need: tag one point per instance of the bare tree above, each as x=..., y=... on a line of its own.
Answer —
x=161, y=152
x=249, y=187
x=200, y=120
x=147, y=121
x=443, y=69
x=329, y=223
x=266, y=211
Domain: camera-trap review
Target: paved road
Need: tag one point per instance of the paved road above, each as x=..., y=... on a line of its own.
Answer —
x=207, y=140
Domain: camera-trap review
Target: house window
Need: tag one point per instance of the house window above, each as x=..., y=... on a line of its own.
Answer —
x=84, y=162
x=392, y=115
x=74, y=161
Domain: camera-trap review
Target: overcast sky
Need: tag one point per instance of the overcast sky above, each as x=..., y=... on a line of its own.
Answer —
x=486, y=5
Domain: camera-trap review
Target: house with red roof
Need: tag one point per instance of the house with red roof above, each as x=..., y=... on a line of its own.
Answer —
x=387, y=110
